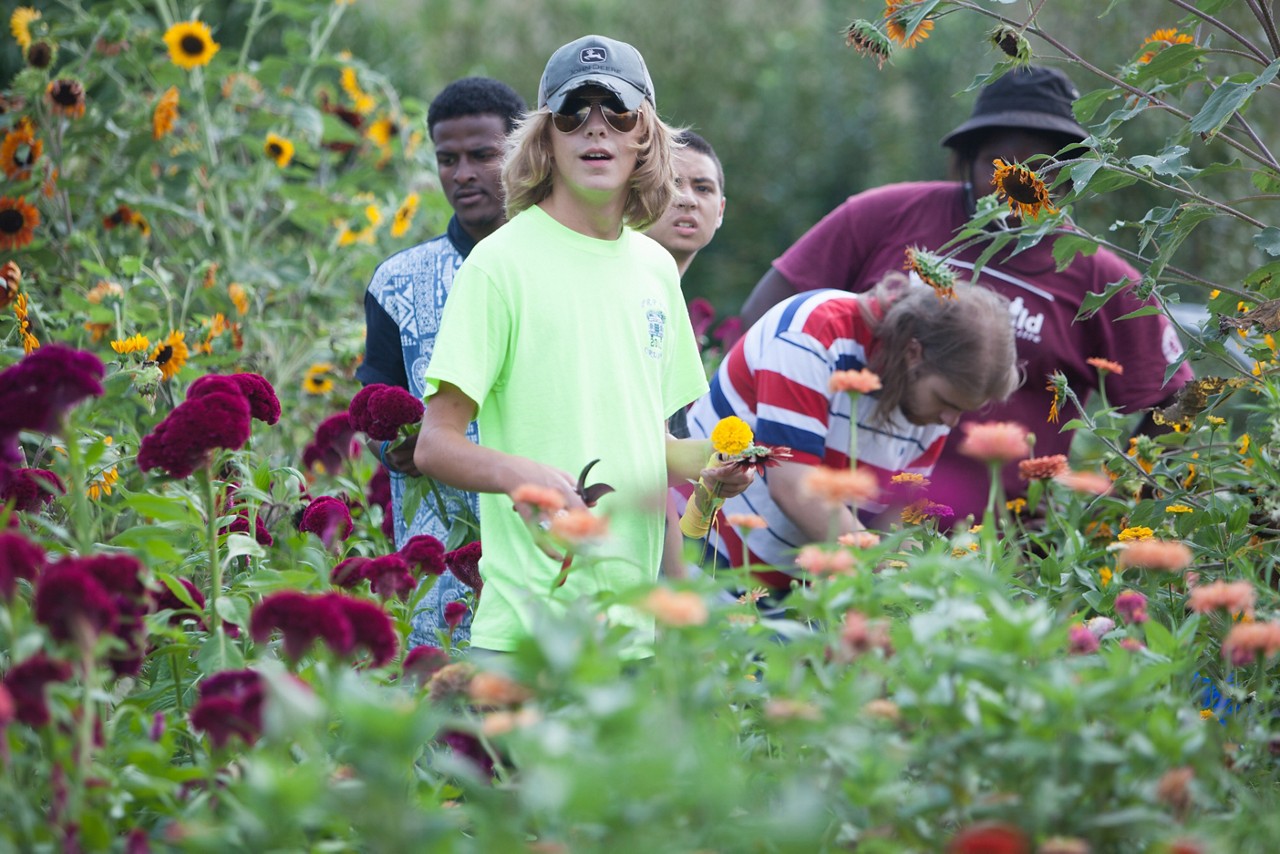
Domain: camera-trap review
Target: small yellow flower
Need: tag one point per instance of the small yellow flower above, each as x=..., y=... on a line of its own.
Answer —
x=102, y=485
x=404, y=215
x=239, y=297
x=1137, y=532
x=171, y=355
x=20, y=25
x=1215, y=420
x=166, y=113
x=132, y=344
x=1244, y=444
x=191, y=44
x=1178, y=508
x=1207, y=715
x=731, y=436
x=1016, y=506
x=1104, y=576
x=910, y=477
x=278, y=149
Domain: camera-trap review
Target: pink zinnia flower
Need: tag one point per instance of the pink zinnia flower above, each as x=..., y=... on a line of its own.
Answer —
x=841, y=486
x=261, y=397
x=1247, y=641
x=859, y=540
x=1088, y=482
x=454, y=613
x=36, y=393
x=1081, y=641
x=185, y=439
x=230, y=706
x=464, y=563
x=860, y=382
x=389, y=575
x=27, y=682
x=328, y=518
x=19, y=558
x=1234, y=597
x=1043, y=468
x=676, y=608
x=301, y=619
x=995, y=441
x=425, y=554
x=750, y=521
x=1132, y=607
x=816, y=560
x=379, y=410
x=371, y=628
x=1162, y=555
x=423, y=661
x=30, y=489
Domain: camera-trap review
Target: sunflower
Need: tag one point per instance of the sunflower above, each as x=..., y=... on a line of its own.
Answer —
x=1058, y=386
x=382, y=130
x=896, y=20
x=41, y=54
x=318, y=379
x=132, y=344
x=1011, y=42
x=278, y=149
x=171, y=355
x=18, y=221
x=20, y=25
x=404, y=215
x=125, y=215
x=1025, y=191
x=10, y=283
x=191, y=45
x=863, y=37
x=1163, y=38
x=66, y=97
x=361, y=100
x=29, y=341
x=19, y=150
x=166, y=113
x=933, y=271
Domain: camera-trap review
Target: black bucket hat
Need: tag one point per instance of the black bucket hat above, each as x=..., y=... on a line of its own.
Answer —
x=1029, y=98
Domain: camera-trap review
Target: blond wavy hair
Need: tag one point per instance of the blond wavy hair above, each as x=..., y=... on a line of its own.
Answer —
x=527, y=168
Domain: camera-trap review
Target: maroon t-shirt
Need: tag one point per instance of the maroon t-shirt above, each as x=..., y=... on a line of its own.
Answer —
x=866, y=236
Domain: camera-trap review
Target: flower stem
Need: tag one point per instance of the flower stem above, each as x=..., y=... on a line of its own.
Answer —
x=84, y=527
x=853, y=430
x=211, y=543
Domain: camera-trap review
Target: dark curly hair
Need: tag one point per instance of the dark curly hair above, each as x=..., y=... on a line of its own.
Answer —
x=473, y=96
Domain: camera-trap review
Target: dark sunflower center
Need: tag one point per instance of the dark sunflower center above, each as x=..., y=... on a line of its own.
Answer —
x=11, y=221
x=164, y=354
x=66, y=96
x=1022, y=186
x=192, y=45
x=275, y=149
x=24, y=156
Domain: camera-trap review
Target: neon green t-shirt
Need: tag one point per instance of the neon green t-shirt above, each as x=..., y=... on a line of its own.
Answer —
x=573, y=349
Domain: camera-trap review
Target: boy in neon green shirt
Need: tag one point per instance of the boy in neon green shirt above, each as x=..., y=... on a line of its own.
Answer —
x=567, y=338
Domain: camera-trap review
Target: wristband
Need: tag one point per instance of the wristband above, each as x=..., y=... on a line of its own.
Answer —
x=382, y=453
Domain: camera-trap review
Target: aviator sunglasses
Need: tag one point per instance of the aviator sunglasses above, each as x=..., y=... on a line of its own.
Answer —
x=574, y=112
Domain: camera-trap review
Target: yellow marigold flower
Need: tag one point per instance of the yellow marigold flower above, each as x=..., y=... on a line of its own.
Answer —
x=171, y=355
x=1215, y=420
x=132, y=344
x=731, y=436
x=1104, y=576
x=911, y=477
x=1026, y=193
x=102, y=484
x=239, y=297
x=191, y=44
x=1016, y=506
x=165, y=114
x=896, y=19
x=19, y=150
x=1178, y=508
x=278, y=149
x=404, y=215
x=1137, y=532
x=20, y=25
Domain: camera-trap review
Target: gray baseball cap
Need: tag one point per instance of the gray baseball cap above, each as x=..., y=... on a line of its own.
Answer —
x=596, y=61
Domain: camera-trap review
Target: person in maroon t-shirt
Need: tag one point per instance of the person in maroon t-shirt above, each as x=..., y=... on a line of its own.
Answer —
x=1024, y=113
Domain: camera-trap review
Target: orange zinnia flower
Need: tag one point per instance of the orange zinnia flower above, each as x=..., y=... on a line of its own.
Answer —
x=841, y=486
x=1106, y=365
x=542, y=497
x=995, y=441
x=1234, y=597
x=676, y=608
x=578, y=527
x=861, y=382
x=1043, y=468
x=1091, y=482
x=1161, y=555
x=1246, y=641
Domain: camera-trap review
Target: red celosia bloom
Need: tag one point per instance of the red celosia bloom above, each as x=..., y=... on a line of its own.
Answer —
x=422, y=662
x=378, y=492
x=468, y=748
x=1247, y=641
x=333, y=443
x=861, y=382
x=1043, y=468
x=30, y=489
x=70, y=602
x=995, y=441
x=464, y=563
x=263, y=403
x=328, y=518
x=371, y=628
x=230, y=705
x=379, y=411
x=184, y=440
x=1163, y=555
x=1234, y=597
x=26, y=683
x=1080, y=641
x=701, y=314
x=425, y=554
x=727, y=333
x=1132, y=606
x=301, y=619
x=1106, y=366
x=36, y=392
x=19, y=558
x=454, y=612
x=165, y=599
x=990, y=838
x=389, y=575
x=350, y=572
x=121, y=575
x=240, y=525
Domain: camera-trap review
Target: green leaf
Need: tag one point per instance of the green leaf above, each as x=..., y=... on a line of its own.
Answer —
x=1268, y=240
x=243, y=544
x=163, y=508
x=1068, y=246
x=1093, y=301
x=219, y=652
x=1230, y=97
x=177, y=588
x=1167, y=162
x=233, y=609
x=1160, y=640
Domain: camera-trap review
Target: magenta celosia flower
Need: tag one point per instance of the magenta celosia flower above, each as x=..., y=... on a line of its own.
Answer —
x=230, y=705
x=27, y=682
x=1081, y=641
x=301, y=619
x=378, y=492
x=240, y=525
x=701, y=314
x=349, y=573
x=1132, y=606
x=334, y=443
x=425, y=554
x=328, y=518
x=469, y=749
x=36, y=392
x=72, y=604
x=19, y=558
x=389, y=575
x=379, y=411
x=423, y=661
x=31, y=489
x=165, y=599
x=183, y=441
x=263, y=403
x=8, y=709
x=464, y=563
x=454, y=612
x=371, y=628
x=727, y=333
x=120, y=576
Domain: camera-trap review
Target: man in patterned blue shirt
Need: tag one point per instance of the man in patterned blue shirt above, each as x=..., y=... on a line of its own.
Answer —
x=468, y=122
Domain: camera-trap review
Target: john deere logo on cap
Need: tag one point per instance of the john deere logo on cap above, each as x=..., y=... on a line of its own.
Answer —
x=593, y=54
